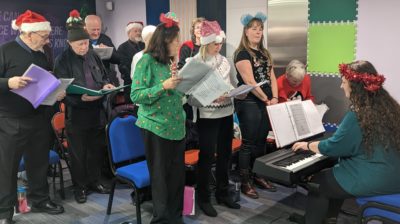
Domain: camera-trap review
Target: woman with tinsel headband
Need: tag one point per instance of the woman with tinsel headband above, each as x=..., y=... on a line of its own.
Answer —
x=367, y=144
x=162, y=119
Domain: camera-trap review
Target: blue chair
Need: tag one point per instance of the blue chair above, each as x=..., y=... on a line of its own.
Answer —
x=54, y=161
x=385, y=208
x=125, y=146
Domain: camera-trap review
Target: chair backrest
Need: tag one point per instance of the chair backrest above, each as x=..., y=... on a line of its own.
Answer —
x=124, y=139
x=58, y=123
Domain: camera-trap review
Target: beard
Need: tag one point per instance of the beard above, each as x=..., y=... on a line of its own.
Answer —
x=137, y=39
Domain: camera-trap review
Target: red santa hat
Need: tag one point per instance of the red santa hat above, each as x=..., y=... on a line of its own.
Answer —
x=30, y=22
x=211, y=32
x=134, y=24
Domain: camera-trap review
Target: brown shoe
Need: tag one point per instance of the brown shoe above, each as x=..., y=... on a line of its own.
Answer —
x=249, y=190
x=264, y=184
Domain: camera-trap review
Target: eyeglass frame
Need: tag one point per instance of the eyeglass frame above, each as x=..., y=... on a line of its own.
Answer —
x=42, y=36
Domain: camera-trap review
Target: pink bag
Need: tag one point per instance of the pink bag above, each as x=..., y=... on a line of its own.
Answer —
x=188, y=201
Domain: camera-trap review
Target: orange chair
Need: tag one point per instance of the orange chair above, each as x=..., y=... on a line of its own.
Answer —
x=191, y=158
x=236, y=143
x=58, y=124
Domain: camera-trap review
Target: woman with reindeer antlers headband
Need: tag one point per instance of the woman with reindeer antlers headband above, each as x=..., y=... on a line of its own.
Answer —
x=367, y=144
x=162, y=119
x=253, y=63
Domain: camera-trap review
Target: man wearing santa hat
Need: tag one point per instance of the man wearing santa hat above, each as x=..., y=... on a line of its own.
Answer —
x=126, y=52
x=24, y=130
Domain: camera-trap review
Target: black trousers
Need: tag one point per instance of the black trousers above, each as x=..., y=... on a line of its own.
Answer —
x=165, y=160
x=326, y=200
x=87, y=148
x=28, y=136
x=215, y=137
x=254, y=126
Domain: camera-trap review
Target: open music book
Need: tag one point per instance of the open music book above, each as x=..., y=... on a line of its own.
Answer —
x=294, y=120
x=103, y=52
x=202, y=82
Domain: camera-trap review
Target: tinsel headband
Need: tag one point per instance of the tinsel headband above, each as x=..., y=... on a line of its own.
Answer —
x=246, y=18
x=371, y=83
x=169, y=19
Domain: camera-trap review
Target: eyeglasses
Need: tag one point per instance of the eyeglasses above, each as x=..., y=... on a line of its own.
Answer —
x=44, y=37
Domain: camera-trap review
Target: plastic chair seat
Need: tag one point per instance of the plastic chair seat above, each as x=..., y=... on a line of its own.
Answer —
x=191, y=157
x=137, y=172
x=375, y=206
x=236, y=143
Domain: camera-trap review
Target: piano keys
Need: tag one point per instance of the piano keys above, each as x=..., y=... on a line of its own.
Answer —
x=289, y=168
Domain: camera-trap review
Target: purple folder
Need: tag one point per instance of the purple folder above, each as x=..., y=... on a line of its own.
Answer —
x=42, y=84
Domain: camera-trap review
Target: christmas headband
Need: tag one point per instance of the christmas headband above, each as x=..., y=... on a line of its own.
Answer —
x=246, y=18
x=169, y=19
x=372, y=83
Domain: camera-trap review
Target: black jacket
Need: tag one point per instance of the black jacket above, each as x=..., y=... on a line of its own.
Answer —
x=70, y=65
x=126, y=51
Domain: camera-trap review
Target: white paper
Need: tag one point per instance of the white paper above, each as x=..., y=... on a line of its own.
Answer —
x=209, y=88
x=191, y=74
x=52, y=97
x=322, y=108
x=293, y=121
x=103, y=52
x=244, y=89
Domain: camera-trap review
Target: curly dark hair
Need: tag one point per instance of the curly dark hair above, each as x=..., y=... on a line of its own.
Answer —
x=377, y=112
x=158, y=44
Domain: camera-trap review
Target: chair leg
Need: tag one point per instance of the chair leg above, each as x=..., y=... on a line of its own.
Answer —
x=111, y=197
x=62, y=191
x=138, y=213
x=54, y=169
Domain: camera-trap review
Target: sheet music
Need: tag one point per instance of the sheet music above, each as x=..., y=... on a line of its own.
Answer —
x=298, y=116
x=209, y=88
x=52, y=97
x=103, y=52
x=293, y=121
x=282, y=125
x=244, y=89
x=314, y=116
x=193, y=71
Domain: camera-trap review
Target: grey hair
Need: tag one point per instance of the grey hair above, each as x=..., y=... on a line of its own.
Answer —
x=296, y=70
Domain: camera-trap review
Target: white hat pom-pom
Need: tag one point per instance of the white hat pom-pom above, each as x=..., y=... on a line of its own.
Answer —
x=14, y=25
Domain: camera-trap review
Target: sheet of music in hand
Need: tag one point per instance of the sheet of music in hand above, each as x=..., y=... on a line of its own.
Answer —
x=42, y=85
x=294, y=120
x=103, y=52
x=202, y=82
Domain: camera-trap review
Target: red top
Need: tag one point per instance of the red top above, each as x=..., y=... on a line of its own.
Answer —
x=287, y=92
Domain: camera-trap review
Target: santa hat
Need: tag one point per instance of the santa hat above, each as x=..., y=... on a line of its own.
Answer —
x=148, y=31
x=134, y=24
x=31, y=22
x=211, y=32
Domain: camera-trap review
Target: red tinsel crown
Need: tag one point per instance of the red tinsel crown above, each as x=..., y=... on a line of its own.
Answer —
x=371, y=83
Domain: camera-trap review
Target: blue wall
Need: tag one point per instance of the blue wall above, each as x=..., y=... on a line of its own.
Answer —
x=153, y=10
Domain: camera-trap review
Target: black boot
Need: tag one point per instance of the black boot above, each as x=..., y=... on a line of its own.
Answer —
x=226, y=199
x=208, y=209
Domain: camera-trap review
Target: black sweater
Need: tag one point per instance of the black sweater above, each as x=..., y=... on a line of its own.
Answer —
x=126, y=51
x=14, y=60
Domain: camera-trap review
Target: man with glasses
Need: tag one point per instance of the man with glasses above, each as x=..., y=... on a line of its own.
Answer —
x=24, y=130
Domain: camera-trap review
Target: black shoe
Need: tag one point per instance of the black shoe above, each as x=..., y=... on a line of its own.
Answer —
x=228, y=201
x=48, y=207
x=99, y=188
x=6, y=221
x=208, y=209
x=297, y=218
x=80, y=195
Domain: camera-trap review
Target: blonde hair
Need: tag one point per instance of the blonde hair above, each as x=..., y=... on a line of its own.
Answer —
x=296, y=70
x=245, y=43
